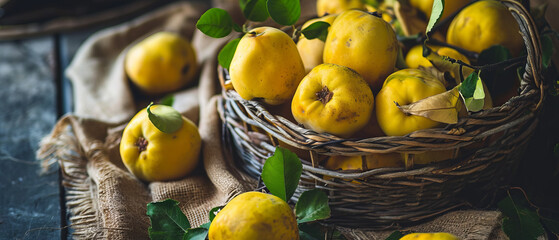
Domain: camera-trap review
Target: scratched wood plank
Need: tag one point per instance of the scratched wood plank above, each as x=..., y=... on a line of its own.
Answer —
x=29, y=201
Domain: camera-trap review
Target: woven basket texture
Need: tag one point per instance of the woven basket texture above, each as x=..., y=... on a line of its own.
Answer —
x=486, y=147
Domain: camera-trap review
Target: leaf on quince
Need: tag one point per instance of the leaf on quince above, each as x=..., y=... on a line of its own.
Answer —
x=254, y=10
x=226, y=54
x=436, y=13
x=472, y=92
x=214, y=212
x=442, y=107
x=164, y=118
x=215, y=22
x=316, y=30
x=446, y=64
x=312, y=206
x=281, y=173
x=167, y=220
x=284, y=12
x=195, y=234
x=519, y=222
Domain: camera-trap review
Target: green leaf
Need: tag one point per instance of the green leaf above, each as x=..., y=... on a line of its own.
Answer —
x=478, y=92
x=468, y=87
x=519, y=222
x=206, y=225
x=311, y=231
x=436, y=13
x=312, y=206
x=547, y=50
x=168, y=100
x=167, y=220
x=494, y=54
x=164, y=118
x=195, y=234
x=284, y=12
x=227, y=52
x=214, y=212
x=215, y=22
x=237, y=28
x=396, y=235
x=551, y=224
x=254, y=10
x=316, y=30
x=281, y=173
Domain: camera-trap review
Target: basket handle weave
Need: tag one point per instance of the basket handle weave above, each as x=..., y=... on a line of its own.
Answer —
x=533, y=70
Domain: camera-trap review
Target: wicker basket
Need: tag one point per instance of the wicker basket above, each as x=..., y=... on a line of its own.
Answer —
x=487, y=146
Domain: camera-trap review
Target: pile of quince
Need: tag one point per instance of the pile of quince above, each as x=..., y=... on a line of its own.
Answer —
x=377, y=69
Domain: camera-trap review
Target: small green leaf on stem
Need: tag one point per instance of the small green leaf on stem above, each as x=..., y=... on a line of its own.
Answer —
x=167, y=100
x=468, y=87
x=164, y=118
x=226, y=54
x=436, y=13
x=494, y=54
x=395, y=235
x=284, y=12
x=195, y=234
x=519, y=222
x=254, y=10
x=316, y=30
x=281, y=173
x=167, y=220
x=215, y=22
x=214, y=212
x=312, y=206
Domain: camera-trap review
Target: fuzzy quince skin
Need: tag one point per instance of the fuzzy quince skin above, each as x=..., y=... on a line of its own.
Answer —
x=311, y=50
x=333, y=99
x=363, y=42
x=324, y=7
x=161, y=63
x=152, y=155
x=404, y=87
x=266, y=65
x=254, y=215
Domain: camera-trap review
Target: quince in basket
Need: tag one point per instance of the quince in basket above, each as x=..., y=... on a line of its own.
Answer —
x=484, y=24
x=426, y=6
x=311, y=50
x=364, y=42
x=153, y=155
x=430, y=236
x=400, y=88
x=333, y=99
x=266, y=65
x=254, y=215
x=163, y=62
x=324, y=7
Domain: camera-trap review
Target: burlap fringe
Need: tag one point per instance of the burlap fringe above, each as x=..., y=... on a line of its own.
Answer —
x=61, y=146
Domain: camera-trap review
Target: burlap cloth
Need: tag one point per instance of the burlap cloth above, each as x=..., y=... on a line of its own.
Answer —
x=106, y=201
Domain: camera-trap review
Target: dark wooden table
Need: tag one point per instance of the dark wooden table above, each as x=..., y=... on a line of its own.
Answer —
x=35, y=94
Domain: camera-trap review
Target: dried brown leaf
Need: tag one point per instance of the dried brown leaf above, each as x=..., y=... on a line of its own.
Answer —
x=443, y=107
